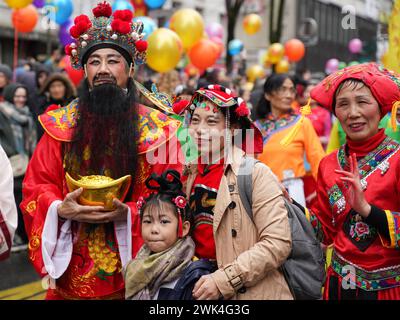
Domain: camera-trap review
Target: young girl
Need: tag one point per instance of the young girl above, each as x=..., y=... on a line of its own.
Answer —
x=163, y=268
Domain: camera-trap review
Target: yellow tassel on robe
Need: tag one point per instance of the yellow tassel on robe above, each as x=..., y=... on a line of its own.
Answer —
x=305, y=111
x=393, y=118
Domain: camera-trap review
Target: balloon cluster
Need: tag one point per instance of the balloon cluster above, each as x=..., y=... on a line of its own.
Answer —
x=185, y=32
x=281, y=55
x=24, y=16
x=355, y=46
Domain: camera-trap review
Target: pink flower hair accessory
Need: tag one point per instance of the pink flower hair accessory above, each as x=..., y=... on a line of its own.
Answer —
x=140, y=202
x=180, y=202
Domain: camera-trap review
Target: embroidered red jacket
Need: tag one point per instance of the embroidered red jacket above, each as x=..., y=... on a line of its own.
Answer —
x=95, y=267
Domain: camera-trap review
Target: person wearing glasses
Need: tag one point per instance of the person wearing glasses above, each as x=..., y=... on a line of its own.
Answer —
x=276, y=120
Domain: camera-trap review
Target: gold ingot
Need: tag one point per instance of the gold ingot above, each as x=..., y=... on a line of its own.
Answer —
x=99, y=190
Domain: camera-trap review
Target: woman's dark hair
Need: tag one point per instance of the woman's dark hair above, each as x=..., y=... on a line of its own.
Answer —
x=168, y=186
x=70, y=90
x=10, y=89
x=272, y=83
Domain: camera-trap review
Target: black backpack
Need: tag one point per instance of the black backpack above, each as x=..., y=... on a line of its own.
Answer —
x=304, y=269
x=184, y=287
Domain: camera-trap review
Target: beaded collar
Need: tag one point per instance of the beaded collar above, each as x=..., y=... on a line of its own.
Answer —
x=376, y=159
x=270, y=125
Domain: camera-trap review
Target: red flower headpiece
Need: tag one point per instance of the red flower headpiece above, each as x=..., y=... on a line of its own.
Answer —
x=115, y=30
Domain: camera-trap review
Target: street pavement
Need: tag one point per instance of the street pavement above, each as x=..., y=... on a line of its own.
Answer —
x=19, y=280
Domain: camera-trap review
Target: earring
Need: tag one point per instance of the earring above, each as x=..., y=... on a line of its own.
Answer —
x=85, y=69
x=131, y=69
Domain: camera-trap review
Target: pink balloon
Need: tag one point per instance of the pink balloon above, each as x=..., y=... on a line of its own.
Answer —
x=214, y=29
x=331, y=65
x=355, y=45
x=219, y=43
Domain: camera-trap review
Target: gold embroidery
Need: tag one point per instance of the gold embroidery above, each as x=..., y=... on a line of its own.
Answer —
x=71, y=114
x=86, y=153
x=143, y=169
x=34, y=243
x=105, y=261
x=82, y=284
x=119, y=295
x=150, y=127
x=103, y=258
x=58, y=115
x=31, y=206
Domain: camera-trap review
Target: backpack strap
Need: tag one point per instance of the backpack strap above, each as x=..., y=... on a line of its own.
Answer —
x=245, y=183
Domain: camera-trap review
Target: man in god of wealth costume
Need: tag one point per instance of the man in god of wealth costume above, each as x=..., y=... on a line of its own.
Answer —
x=83, y=237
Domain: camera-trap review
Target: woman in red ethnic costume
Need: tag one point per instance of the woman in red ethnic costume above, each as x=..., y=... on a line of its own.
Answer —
x=358, y=186
x=103, y=132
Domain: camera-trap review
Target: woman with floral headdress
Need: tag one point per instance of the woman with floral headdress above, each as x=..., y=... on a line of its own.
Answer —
x=247, y=254
x=358, y=205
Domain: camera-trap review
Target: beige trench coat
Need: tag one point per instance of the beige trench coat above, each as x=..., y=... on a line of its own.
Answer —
x=249, y=253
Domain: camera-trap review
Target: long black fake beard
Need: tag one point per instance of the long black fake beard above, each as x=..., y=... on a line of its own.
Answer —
x=108, y=119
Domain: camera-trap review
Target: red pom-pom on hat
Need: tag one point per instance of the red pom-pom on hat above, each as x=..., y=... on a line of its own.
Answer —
x=180, y=106
x=125, y=27
x=68, y=50
x=121, y=26
x=141, y=45
x=124, y=15
x=242, y=110
x=83, y=26
x=102, y=10
x=115, y=24
x=75, y=32
x=82, y=18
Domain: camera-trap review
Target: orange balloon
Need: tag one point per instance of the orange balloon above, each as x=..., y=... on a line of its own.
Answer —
x=203, y=54
x=25, y=19
x=294, y=50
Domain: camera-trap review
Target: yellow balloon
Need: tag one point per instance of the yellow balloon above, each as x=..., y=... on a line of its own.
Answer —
x=282, y=66
x=18, y=4
x=164, y=50
x=188, y=25
x=255, y=72
x=265, y=61
x=248, y=86
x=252, y=23
x=275, y=52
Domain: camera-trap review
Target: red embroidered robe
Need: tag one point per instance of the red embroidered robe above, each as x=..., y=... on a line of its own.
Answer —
x=94, y=271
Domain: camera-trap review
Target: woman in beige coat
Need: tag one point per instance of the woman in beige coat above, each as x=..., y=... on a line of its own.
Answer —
x=248, y=252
